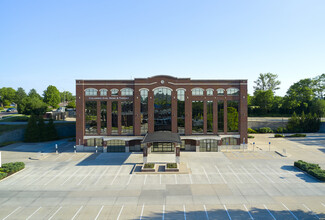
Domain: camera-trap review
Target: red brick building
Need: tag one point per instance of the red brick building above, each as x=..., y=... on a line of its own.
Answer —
x=116, y=115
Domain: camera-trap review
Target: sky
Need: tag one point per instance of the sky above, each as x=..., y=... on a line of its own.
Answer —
x=56, y=42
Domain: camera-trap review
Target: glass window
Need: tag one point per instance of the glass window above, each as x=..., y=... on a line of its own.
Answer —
x=229, y=141
x=232, y=91
x=181, y=111
x=208, y=145
x=197, y=91
x=91, y=92
x=91, y=142
x=115, y=146
x=197, y=117
x=220, y=116
x=91, y=117
x=232, y=116
x=163, y=109
x=103, y=92
x=144, y=110
x=114, y=118
x=209, y=116
x=103, y=117
x=114, y=91
x=127, y=117
x=209, y=92
x=127, y=92
x=220, y=91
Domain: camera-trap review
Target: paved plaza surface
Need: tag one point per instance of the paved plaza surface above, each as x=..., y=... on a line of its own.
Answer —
x=221, y=185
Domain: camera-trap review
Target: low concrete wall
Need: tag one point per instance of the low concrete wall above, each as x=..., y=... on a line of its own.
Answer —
x=64, y=130
x=272, y=124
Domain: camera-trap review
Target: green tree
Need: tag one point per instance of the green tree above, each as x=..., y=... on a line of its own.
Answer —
x=42, y=128
x=33, y=94
x=66, y=96
x=32, y=130
x=263, y=99
x=267, y=81
x=300, y=95
x=319, y=86
x=30, y=106
x=52, y=96
x=72, y=104
x=20, y=95
x=52, y=133
x=318, y=107
x=8, y=95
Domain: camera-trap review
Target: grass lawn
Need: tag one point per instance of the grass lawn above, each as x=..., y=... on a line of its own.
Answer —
x=15, y=118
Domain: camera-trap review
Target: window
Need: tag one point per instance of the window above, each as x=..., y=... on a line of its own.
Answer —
x=103, y=92
x=209, y=116
x=220, y=116
x=91, y=92
x=103, y=117
x=220, y=91
x=197, y=117
x=114, y=109
x=232, y=91
x=127, y=92
x=232, y=116
x=209, y=92
x=115, y=146
x=229, y=141
x=144, y=110
x=91, y=117
x=181, y=111
x=127, y=117
x=114, y=91
x=197, y=91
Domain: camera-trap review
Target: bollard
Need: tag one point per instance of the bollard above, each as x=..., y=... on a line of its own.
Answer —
x=226, y=146
x=75, y=149
x=253, y=146
x=96, y=149
x=56, y=148
x=269, y=146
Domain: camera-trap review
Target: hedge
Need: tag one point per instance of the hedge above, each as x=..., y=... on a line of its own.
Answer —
x=149, y=165
x=3, y=175
x=278, y=136
x=171, y=165
x=251, y=131
x=265, y=130
x=311, y=168
x=297, y=135
x=11, y=168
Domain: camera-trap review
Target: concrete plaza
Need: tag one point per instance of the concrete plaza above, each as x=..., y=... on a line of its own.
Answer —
x=228, y=185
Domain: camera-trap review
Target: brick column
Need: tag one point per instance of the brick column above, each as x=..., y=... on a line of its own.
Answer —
x=137, y=113
x=205, y=121
x=80, y=112
x=174, y=111
x=243, y=112
x=188, y=113
x=178, y=152
x=145, y=153
x=197, y=145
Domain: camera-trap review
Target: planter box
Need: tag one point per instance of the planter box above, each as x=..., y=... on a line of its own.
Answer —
x=172, y=169
x=148, y=169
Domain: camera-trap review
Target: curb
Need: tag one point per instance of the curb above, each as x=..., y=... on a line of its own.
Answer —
x=12, y=174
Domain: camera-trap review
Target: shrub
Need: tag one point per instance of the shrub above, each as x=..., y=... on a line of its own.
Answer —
x=281, y=130
x=311, y=168
x=251, y=131
x=250, y=136
x=11, y=168
x=171, y=165
x=3, y=175
x=297, y=135
x=149, y=165
x=278, y=136
x=1, y=108
x=265, y=130
x=318, y=173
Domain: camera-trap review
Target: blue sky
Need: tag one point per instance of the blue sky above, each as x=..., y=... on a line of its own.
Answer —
x=56, y=42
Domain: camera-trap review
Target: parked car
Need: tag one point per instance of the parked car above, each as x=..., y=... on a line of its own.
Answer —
x=11, y=110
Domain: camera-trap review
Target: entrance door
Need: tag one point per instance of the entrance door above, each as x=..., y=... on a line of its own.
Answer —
x=162, y=147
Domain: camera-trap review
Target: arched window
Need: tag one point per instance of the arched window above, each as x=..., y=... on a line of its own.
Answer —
x=103, y=92
x=91, y=92
x=197, y=91
x=210, y=92
x=114, y=91
x=126, y=92
x=232, y=91
x=220, y=91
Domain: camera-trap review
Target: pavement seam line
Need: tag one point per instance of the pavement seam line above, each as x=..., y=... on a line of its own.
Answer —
x=246, y=171
x=220, y=174
x=101, y=176
x=235, y=174
x=206, y=175
x=70, y=176
x=85, y=177
x=116, y=175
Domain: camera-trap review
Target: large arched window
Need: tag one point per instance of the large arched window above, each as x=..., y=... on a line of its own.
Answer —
x=103, y=92
x=126, y=92
x=220, y=91
x=91, y=92
x=114, y=91
x=197, y=91
x=209, y=92
x=232, y=91
x=163, y=109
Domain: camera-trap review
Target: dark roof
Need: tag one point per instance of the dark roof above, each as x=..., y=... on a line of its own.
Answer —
x=162, y=136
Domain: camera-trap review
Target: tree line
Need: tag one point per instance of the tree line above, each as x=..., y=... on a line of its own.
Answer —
x=34, y=103
x=305, y=96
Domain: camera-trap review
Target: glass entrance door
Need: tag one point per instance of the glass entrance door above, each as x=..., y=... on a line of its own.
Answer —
x=162, y=147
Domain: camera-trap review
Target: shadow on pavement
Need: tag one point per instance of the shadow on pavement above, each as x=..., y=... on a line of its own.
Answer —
x=300, y=174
